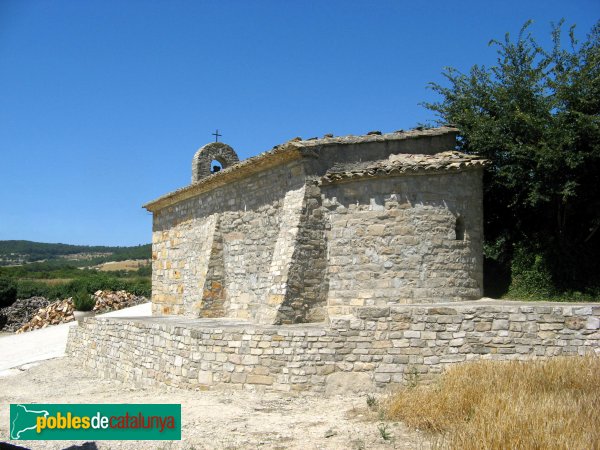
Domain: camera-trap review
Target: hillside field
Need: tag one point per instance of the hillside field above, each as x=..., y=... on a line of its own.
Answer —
x=57, y=271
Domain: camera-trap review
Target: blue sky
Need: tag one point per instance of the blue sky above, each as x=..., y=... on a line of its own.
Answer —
x=103, y=103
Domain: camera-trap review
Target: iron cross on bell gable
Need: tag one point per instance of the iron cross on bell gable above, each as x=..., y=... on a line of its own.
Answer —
x=217, y=135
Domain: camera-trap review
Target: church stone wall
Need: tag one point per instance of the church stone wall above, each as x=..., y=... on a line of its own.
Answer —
x=370, y=151
x=312, y=230
x=278, y=247
x=226, y=245
x=395, y=240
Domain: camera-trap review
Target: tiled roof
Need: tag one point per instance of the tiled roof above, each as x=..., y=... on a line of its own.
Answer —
x=288, y=151
x=405, y=163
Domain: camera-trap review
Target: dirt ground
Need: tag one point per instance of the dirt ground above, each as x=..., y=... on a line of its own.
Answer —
x=216, y=419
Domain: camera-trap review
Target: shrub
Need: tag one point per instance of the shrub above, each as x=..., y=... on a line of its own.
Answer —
x=82, y=301
x=28, y=289
x=531, y=275
x=136, y=286
x=534, y=116
x=8, y=292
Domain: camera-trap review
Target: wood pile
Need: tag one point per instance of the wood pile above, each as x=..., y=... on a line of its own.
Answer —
x=61, y=311
x=20, y=312
x=112, y=301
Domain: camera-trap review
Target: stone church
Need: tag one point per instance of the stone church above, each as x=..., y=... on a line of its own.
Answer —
x=313, y=229
x=322, y=264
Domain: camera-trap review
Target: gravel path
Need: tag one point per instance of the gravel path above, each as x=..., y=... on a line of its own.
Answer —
x=216, y=419
x=47, y=343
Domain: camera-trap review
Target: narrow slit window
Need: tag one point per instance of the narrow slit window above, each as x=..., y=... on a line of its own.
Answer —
x=459, y=229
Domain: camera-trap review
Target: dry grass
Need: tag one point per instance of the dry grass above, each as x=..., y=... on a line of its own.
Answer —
x=129, y=264
x=536, y=404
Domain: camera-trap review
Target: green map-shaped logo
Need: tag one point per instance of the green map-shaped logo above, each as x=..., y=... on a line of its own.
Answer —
x=24, y=420
x=76, y=421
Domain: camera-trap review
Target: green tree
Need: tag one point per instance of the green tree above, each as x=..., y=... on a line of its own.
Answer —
x=536, y=116
x=8, y=292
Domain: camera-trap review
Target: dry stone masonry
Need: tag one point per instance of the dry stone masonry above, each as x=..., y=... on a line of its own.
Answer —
x=313, y=229
x=216, y=151
x=323, y=262
x=377, y=347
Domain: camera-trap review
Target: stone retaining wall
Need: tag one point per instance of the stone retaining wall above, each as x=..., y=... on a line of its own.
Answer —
x=375, y=347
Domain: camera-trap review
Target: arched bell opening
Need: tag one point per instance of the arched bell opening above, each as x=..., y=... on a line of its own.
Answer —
x=210, y=157
x=215, y=166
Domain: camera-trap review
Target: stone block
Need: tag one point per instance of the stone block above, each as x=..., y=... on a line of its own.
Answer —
x=408, y=334
x=583, y=311
x=456, y=342
x=500, y=324
x=259, y=379
x=238, y=377
x=592, y=323
x=575, y=322
x=452, y=358
x=376, y=230
x=444, y=319
x=430, y=360
x=382, y=377
x=517, y=317
x=529, y=327
x=550, y=326
x=260, y=370
x=553, y=318
x=393, y=368
x=442, y=311
x=275, y=299
x=428, y=335
x=205, y=377
x=372, y=312
x=249, y=360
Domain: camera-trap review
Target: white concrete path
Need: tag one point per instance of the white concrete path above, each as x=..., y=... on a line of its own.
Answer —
x=46, y=343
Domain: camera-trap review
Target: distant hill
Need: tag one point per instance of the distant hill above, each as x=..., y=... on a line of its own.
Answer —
x=24, y=252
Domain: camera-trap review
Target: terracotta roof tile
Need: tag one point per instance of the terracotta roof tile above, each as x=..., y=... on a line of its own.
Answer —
x=294, y=149
x=405, y=163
